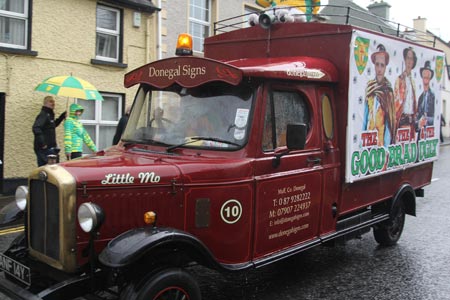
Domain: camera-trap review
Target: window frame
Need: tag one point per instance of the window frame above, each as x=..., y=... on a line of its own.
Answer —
x=117, y=33
x=200, y=22
x=270, y=107
x=26, y=16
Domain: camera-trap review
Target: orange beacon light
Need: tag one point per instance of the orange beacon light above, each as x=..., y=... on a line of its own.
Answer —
x=184, y=44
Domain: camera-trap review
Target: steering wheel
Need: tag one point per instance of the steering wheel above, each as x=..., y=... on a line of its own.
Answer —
x=162, y=120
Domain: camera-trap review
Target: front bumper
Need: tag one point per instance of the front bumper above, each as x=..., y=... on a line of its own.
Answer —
x=67, y=289
x=15, y=291
x=43, y=283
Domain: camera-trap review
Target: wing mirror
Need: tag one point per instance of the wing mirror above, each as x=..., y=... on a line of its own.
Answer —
x=296, y=136
x=295, y=140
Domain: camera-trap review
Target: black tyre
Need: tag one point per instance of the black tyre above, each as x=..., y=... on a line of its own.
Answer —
x=167, y=284
x=389, y=232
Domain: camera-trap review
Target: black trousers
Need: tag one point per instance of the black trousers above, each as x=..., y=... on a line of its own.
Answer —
x=74, y=155
x=41, y=155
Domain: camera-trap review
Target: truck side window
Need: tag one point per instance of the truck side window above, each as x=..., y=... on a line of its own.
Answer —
x=327, y=117
x=282, y=108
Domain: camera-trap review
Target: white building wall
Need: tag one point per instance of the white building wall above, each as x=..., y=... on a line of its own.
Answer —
x=421, y=25
x=175, y=19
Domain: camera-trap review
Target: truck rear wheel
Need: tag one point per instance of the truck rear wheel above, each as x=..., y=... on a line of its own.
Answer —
x=388, y=232
x=167, y=284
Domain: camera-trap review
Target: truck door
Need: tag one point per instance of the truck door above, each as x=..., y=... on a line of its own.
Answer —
x=288, y=189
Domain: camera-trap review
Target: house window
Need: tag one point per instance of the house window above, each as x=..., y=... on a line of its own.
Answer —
x=108, y=34
x=14, y=23
x=100, y=119
x=199, y=22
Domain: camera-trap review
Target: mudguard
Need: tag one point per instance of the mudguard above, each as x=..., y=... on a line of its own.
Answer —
x=10, y=213
x=407, y=194
x=132, y=245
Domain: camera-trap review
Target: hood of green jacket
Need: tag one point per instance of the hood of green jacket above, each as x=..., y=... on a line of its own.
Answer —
x=74, y=107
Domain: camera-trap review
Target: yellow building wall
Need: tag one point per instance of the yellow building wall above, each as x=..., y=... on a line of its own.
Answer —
x=63, y=35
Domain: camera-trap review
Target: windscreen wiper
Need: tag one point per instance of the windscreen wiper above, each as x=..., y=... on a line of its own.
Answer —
x=193, y=139
x=146, y=142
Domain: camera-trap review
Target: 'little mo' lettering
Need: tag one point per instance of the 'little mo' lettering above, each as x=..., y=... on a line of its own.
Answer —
x=144, y=177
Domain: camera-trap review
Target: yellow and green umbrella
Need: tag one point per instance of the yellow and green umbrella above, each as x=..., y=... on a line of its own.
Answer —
x=69, y=86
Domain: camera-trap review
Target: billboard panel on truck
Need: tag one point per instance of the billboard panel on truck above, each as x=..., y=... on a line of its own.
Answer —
x=394, y=105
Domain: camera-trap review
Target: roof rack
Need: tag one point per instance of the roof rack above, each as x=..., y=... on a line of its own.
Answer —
x=335, y=14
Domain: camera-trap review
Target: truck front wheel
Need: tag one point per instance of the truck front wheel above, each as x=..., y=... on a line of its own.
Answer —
x=388, y=232
x=167, y=284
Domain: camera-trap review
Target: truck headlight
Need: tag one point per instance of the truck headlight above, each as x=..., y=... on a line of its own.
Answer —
x=21, y=197
x=90, y=216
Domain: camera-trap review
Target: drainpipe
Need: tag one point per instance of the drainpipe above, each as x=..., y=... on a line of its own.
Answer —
x=148, y=44
x=159, y=31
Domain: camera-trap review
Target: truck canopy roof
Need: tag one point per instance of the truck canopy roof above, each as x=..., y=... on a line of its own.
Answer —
x=298, y=67
x=190, y=71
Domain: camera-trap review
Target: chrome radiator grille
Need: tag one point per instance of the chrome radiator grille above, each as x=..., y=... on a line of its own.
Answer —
x=44, y=214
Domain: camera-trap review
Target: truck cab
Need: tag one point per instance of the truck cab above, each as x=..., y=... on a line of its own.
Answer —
x=247, y=138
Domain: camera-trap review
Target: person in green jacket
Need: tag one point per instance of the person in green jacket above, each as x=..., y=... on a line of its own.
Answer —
x=75, y=134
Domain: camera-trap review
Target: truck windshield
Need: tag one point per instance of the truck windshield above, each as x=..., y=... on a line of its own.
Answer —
x=212, y=116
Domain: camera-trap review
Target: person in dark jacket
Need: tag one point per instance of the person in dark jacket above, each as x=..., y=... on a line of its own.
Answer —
x=121, y=126
x=44, y=131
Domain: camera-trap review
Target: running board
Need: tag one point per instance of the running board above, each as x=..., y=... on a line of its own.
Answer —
x=344, y=227
x=286, y=253
x=354, y=223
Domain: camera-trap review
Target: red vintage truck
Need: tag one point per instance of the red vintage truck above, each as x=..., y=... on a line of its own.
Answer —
x=281, y=138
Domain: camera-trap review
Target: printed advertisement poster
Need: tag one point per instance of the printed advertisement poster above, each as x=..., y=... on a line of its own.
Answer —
x=394, y=105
